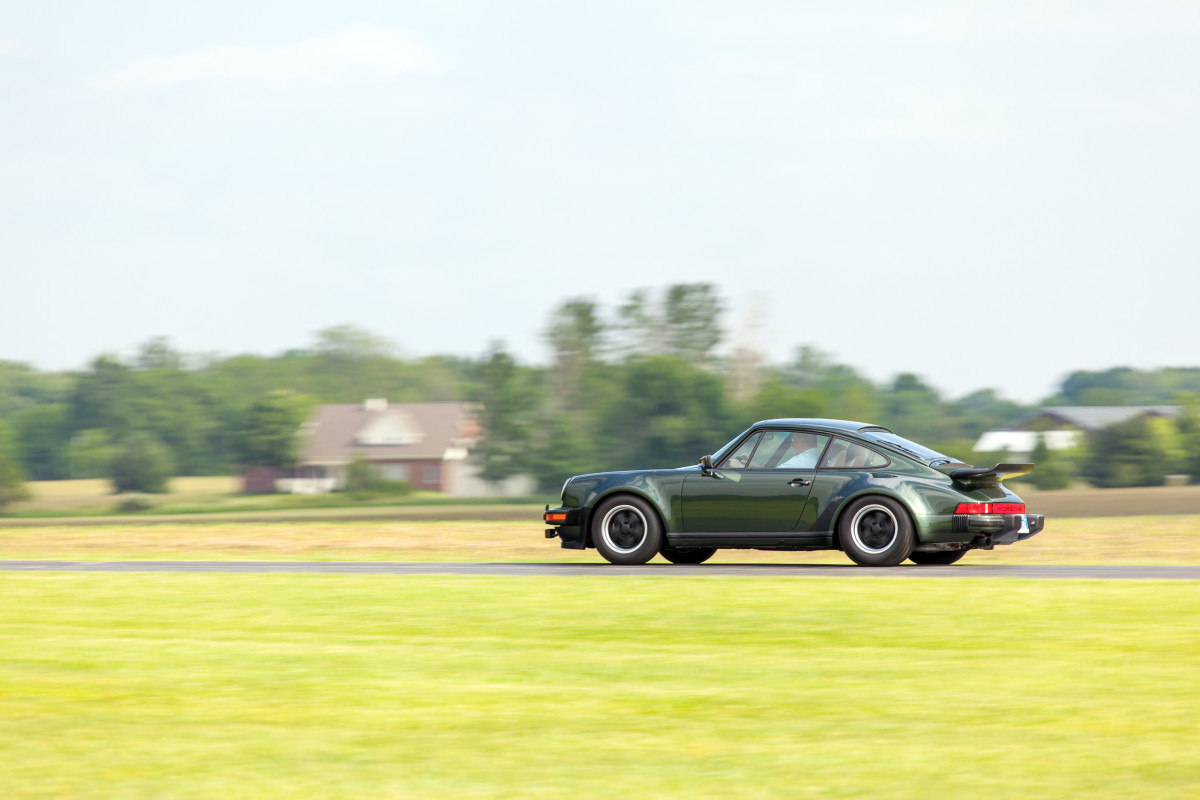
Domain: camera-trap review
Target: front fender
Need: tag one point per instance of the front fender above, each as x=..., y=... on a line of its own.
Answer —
x=660, y=488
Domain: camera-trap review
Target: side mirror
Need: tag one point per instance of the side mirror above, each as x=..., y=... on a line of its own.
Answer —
x=706, y=463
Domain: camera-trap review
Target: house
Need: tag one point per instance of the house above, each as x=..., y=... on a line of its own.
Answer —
x=1063, y=427
x=426, y=444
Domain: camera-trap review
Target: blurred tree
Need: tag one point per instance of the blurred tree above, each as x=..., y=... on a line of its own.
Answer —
x=1189, y=434
x=692, y=313
x=565, y=448
x=670, y=413
x=777, y=400
x=102, y=396
x=507, y=416
x=90, y=454
x=269, y=433
x=43, y=435
x=845, y=394
x=1052, y=469
x=22, y=386
x=576, y=337
x=141, y=464
x=12, y=476
x=157, y=353
x=686, y=323
x=912, y=408
x=1127, y=454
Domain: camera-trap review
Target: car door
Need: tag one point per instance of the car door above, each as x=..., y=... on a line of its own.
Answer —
x=761, y=487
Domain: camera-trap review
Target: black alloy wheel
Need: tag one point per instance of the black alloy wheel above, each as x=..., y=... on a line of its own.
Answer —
x=626, y=530
x=876, y=532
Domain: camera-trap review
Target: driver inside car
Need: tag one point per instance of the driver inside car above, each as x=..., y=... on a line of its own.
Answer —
x=805, y=451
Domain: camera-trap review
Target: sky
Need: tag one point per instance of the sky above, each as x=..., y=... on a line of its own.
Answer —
x=987, y=194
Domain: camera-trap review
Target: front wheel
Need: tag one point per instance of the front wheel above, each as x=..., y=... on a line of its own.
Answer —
x=626, y=530
x=876, y=532
x=938, y=557
x=688, y=555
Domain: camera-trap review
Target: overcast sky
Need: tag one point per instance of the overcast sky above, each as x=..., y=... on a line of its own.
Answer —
x=986, y=194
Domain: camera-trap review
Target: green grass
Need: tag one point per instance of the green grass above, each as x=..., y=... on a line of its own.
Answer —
x=306, y=686
x=78, y=499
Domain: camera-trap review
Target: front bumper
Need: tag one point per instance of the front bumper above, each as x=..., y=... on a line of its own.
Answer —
x=569, y=525
x=996, y=529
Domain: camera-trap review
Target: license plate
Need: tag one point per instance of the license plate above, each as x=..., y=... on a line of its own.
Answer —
x=1024, y=524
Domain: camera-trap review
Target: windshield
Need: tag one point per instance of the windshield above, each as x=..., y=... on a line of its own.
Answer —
x=913, y=449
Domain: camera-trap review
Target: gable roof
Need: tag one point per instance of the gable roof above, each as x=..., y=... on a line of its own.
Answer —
x=1094, y=418
x=378, y=431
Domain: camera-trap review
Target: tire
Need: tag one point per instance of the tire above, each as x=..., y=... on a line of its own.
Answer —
x=688, y=555
x=876, y=532
x=626, y=530
x=939, y=557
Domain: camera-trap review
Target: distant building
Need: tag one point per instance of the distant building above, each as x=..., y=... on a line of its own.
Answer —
x=1063, y=427
x=426, y=444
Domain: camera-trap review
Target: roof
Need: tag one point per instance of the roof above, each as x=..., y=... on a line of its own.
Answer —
x=1094, y=418
x=380, y=431
x=840, y=425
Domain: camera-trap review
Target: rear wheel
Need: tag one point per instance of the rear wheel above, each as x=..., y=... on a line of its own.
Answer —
x=941, y=557
x=876, y=532
x=688, y=555
x=626, y=530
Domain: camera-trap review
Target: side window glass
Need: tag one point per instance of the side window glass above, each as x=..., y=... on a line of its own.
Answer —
x=740, y=457
x=770, y=451
x=797, y=450
x=847, y=455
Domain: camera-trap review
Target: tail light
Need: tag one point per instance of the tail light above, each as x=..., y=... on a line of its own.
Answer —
x=990, y=508
x=556, y=516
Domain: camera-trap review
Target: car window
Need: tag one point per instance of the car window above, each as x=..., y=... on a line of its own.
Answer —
x=740, y=457
x=848, y=455
x=789, y=450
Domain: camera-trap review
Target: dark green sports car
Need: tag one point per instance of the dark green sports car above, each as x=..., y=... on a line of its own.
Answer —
x=798, y=484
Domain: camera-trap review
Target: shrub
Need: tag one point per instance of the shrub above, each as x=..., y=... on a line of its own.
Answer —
x=363, y=481
x=134, y=505
x=142, y=464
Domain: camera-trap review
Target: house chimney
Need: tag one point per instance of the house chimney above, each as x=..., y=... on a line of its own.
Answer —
x=375, y=404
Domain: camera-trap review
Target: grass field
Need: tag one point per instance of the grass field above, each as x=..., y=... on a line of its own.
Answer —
x=215, y=495
x=219, y=686
x=1110, y=540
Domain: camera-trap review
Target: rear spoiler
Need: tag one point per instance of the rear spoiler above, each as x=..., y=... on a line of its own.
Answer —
x=991, y=474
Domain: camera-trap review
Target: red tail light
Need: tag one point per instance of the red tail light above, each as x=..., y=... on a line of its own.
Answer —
x=560, y=516
x=990, y=508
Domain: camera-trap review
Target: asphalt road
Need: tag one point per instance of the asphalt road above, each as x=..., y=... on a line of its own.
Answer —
x=1078, y=572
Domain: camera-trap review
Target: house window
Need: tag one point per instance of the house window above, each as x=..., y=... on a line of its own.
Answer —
x=431, y=474
x=393, y=472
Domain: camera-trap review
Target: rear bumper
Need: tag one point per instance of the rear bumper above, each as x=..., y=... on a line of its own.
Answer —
x=996, y=529
x=569, y=526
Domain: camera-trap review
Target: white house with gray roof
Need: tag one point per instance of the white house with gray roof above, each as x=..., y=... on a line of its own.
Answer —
x=1063, y=427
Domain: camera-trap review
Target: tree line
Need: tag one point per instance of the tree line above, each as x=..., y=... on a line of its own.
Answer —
x=644, y=384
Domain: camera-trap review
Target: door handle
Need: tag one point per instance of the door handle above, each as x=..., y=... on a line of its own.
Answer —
x=799, y=482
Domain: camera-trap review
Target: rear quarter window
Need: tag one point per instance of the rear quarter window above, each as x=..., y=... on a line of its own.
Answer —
x=848, y=455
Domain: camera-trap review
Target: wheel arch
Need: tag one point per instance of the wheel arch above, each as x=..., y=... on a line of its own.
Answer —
x=874, y=491
x=617, y=491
